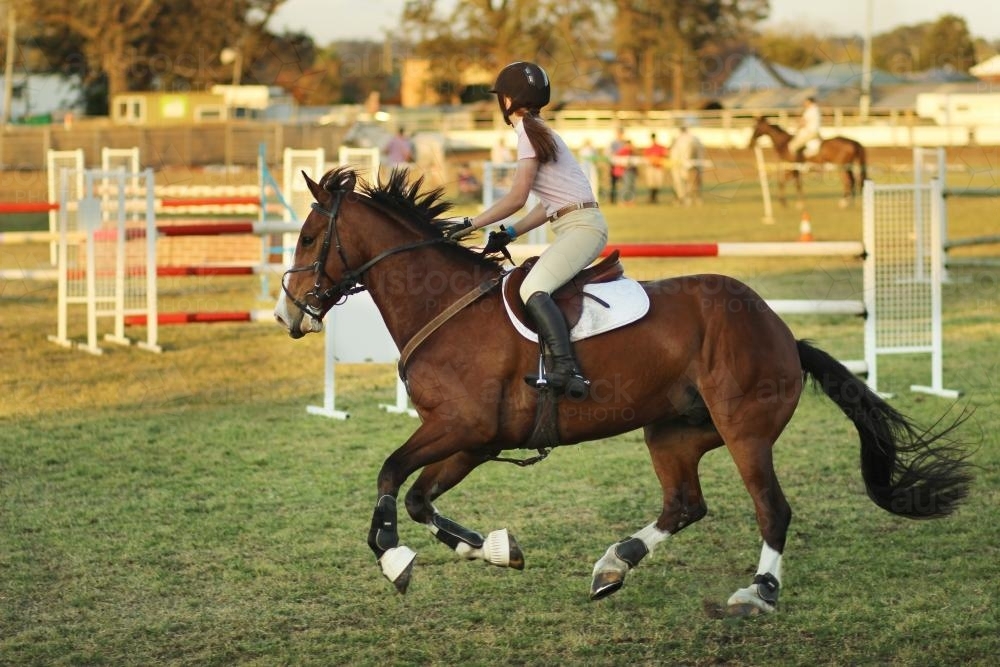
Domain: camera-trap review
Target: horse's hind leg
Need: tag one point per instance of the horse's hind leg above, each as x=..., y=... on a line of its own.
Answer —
x=497, y=548
x=675, y=450
x=849, y=185
x=754, y=462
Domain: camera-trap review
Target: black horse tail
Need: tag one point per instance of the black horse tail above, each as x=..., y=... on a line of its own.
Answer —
x=907, y=470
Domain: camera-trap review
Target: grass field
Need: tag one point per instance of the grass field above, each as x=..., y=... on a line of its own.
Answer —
x=184, y=509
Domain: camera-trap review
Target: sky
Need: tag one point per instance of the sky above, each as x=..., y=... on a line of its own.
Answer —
x=329, y=20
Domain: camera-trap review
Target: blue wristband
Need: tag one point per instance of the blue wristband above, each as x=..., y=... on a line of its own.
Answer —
x=511, y=232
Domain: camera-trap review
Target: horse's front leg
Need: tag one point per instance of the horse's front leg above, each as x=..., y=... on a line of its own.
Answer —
x=782, y=178
x=427, y=445
x=497, y=548
x=395, y=560
x=800, y=201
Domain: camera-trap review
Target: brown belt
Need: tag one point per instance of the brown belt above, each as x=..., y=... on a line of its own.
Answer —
x=569, y=208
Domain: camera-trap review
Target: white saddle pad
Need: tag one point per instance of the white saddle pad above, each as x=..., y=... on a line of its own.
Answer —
x=812, y=147
x=627, y=302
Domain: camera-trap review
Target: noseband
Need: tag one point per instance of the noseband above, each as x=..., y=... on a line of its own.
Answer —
x=312, y=302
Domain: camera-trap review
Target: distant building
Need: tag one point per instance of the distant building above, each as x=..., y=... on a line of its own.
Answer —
x=156, y=108
x=755, y=83
x=753, y=74
x=221, y=103
x=43, y=96
x=988, y=70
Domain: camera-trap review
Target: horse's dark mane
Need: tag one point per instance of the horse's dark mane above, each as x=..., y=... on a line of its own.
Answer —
x=403, y=198
x=774, y=126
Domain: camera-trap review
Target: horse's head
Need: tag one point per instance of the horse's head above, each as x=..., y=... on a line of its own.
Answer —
x=318, y=278
x=348, y=233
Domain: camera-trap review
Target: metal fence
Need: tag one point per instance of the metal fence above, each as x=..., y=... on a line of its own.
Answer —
x=235, y=143
x=231, y=144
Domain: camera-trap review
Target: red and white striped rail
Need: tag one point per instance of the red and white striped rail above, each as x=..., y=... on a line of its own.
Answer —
x=756, y=249
x=11, y=207
x=217, y=317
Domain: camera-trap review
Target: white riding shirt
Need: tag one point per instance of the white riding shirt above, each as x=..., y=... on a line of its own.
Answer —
x=559, y=182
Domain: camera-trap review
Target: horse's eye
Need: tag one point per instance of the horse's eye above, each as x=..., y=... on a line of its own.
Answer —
x=307, y=241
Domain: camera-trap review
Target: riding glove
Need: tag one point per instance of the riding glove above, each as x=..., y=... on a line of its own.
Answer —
x=457, y=229
x=497, y=242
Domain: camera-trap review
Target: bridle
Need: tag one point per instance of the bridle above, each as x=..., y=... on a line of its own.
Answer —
x=312, y=302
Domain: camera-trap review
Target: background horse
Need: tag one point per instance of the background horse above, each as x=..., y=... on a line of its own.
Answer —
x=709, y=365
x=838, y=150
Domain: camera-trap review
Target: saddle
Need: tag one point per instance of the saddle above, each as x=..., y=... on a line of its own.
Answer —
x=570, y=296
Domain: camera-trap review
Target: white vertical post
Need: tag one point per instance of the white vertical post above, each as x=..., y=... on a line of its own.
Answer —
x=937, y=265
x=90, y=218
x=120, y=216
x=402, y=405
x=328, y=409
x=942, y=172
x=56, y=161
x=152, y=305
x=869, y=282
x=62, y=256
x=765, y=187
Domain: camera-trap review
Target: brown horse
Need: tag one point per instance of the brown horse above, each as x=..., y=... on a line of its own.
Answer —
x=709, y=365
x=838, y=151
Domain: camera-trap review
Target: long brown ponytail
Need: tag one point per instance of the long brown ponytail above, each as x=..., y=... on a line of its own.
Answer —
x=540, y=136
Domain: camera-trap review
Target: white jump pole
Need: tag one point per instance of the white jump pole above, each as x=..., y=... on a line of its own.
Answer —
x=328, y=409
x=765, y=187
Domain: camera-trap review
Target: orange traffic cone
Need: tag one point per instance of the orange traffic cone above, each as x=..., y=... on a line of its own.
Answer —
x=805, y=228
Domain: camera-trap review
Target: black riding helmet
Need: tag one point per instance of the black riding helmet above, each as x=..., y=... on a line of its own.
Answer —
x=526, y=84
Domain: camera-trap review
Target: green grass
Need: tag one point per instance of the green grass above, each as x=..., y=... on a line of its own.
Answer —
x=184, y=509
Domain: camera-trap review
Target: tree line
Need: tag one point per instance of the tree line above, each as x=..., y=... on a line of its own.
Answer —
x=652, y=53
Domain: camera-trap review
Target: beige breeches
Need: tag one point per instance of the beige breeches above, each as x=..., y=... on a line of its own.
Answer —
x=800, y=139
x=580, y=237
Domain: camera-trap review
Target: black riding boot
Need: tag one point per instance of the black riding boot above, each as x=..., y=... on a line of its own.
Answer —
x=564, y=375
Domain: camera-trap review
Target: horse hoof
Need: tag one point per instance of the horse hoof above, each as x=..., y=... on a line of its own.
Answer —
x=745, y=602
x=743, y=610
x=501, y=549
x=604, y=584
x=516, y=555
x=397, y=566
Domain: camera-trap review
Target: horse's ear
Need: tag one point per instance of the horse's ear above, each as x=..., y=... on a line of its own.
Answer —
x=318, y=193
x=348, y=179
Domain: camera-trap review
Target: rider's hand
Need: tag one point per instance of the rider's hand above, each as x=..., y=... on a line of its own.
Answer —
x=498, y=241
x=457, y=229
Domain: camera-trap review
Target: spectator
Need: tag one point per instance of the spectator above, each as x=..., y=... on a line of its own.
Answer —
x=468, y=184
x=501, y=153
x=623, y=166
x=399, y=151
x=655, y=155
x=687, y=153
x=616, y=173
